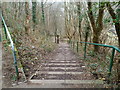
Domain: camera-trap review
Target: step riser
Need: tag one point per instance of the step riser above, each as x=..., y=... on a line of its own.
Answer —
x=68, y=81
x=60, y=64
x=71, y=68
x=63, y=62
x=48, y=72
x=62, y=70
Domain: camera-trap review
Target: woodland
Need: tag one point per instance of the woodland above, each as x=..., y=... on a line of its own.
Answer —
x=37, y=28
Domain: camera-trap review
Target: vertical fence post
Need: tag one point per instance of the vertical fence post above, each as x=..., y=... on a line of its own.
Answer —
x=77, y=46
x=85, y=50
x=15, y=63
x=111, y=62
x=73, y=45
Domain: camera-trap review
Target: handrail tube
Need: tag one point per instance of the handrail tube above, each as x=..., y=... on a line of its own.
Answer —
x=117, y=49
x=12, y=46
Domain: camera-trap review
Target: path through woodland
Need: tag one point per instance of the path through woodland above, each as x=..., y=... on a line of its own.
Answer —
x=63, y=70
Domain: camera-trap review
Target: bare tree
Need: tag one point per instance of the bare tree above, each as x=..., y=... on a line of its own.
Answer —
x=115, y=20
x=98, y=25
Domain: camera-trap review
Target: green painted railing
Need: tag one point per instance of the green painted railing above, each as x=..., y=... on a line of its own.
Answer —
x=7, y=34
x=85, y=49
x=112, y=56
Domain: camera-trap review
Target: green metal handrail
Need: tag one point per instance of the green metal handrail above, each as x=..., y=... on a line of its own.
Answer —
x=112, y=57
x=110, y=46
x=117, y=49
x=7, y=33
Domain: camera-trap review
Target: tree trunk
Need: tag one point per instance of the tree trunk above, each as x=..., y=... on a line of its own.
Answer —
x=98, y=25
x=34, y=14
x=96, y=40
x=43, y=19
x=16, y=10
x=27, y=22
x=55, y=26
x=79, y=22
x=43, y=15
x=66, y=19
x=117, y=26
x=117, y=23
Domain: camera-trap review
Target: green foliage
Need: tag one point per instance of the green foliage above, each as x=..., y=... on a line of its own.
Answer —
x=91, y=53
x=14, y=77
x=107, y=20
x=94, y=65
x=108, y=57
x=48, y=46
x=8, y=10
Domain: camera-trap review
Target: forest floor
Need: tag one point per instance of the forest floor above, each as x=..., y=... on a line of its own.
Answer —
x=62, y=69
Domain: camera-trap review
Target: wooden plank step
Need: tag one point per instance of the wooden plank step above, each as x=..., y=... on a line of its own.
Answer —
x=57, y=77
x=67, y=70
x=57, y=72
x=62, y=68
x=60, y=64
x=62, y=61
x=68, y=81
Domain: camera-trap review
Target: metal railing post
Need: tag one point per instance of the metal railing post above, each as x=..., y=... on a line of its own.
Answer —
x=112, y=57
x=111, y=62
x=12, y=45
x=4, y=29
x=15, y=64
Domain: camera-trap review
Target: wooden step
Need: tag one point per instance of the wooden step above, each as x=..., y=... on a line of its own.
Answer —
x=60, y=64
x=57, y=72
x=62, y=68
x=68, y=81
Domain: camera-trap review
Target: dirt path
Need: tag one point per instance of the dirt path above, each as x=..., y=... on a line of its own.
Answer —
x=63, y=69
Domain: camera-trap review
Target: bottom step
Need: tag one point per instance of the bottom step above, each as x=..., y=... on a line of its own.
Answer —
x=68, y=81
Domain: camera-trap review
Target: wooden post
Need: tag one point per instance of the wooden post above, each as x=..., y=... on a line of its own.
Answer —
x=77, y=47
x=57, y=39
x=73, y=45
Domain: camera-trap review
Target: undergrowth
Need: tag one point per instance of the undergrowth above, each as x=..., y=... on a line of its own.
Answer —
x=31, y=49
